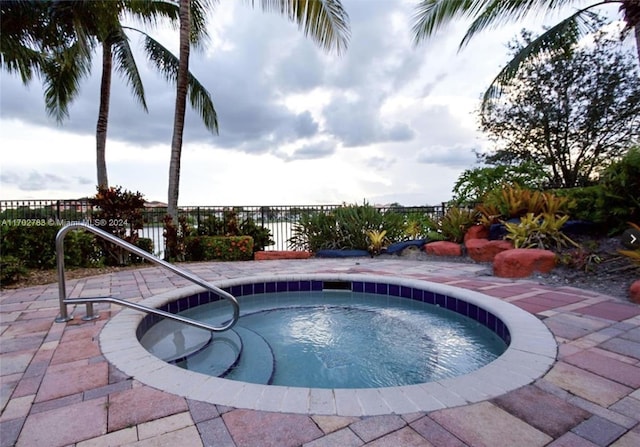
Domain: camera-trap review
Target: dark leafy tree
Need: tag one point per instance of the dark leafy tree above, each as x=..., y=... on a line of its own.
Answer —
x=571, y=112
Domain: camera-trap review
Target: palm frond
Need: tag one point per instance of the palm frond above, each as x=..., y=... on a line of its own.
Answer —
x=563, y=35
x=431, y=15
x=199, y=36
x=18, y=58
x=18, y=44
x=62, y=73
x=325, y=21
x=150, y=11
x=167, y=64
x=497, y=12
x=201, y=101
x=126, y=64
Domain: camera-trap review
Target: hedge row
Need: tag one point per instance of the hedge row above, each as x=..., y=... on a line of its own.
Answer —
x=219, y=248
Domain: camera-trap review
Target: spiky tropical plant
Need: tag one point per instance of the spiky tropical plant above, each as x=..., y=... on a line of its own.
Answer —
x=542, y=231
x=377, y=241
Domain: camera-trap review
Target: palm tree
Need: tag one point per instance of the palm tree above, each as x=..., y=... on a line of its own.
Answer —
x=56, y=40
x=431, y=15
x=325, y=21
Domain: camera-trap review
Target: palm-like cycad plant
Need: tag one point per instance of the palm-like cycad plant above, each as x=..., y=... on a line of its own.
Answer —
x=431, y=15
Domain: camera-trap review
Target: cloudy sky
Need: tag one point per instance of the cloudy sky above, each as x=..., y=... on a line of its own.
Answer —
x=384, y=122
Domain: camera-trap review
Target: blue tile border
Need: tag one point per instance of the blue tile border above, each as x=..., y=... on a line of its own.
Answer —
x=457, y=305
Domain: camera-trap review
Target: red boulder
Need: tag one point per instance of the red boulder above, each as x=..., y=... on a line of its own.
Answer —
x=476, y=232
x=634, y=291
x=483, y=250
x=443, y=248
x=523, y=262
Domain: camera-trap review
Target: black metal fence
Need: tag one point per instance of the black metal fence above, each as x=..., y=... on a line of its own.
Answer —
x=279, y=220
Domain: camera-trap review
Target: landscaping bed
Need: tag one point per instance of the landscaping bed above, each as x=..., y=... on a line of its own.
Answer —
x=612, y=276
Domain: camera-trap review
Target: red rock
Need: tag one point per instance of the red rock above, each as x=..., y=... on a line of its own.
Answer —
x=476, y=232
x=523, y=262
x=634, y=291
x=483, y=250
x=267, y=255
x=443, y=248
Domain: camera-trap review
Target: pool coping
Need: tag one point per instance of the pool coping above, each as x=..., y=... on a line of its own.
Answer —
x=532, y=352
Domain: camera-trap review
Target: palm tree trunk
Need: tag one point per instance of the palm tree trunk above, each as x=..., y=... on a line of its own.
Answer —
x=181, y=101
x=103, y=116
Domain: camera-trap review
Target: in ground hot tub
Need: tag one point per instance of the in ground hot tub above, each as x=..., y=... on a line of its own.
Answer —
x=520, y=347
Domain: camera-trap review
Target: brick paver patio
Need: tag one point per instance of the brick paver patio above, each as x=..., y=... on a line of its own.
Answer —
x=58, y=390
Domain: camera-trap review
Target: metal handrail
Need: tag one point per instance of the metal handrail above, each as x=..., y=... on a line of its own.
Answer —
x=62, y=291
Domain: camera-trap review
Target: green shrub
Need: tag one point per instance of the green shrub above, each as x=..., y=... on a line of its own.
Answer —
x=452, y=226
x=395, y=224
x=229, y=226
x=35, y=246
x=615, y=200
x=588, y=203
x=455, y=223
x=144, y=243
x=211, y=226
x=352, y=222
x=473, y=184
x=314, y=231
x=11, y=270
x=346, y=227
x=425, y=226
x=261, y=236
x=81, y=250
x=621, y=184
x=220, y=248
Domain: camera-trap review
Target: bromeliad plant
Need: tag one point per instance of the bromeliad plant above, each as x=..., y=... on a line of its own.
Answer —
x=539, y=231
x=421, y=227
x=413, y=229
x=513, y=201
x=453, y=225
x=377, y=241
